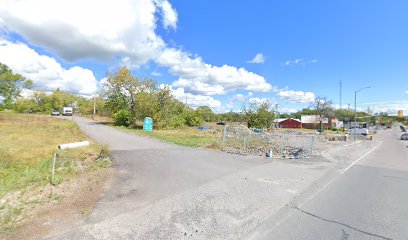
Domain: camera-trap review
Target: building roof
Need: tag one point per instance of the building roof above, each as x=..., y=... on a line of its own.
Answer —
x=278, y=120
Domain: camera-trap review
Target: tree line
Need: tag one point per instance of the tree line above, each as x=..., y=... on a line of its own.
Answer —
x=129, y=99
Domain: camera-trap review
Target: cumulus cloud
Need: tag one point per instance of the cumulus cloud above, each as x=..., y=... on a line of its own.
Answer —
x=169, y=14
x=287, y=110
x=296, y=96
x=45, y=72
x=390, y=107
x=258, y=101
x=156, y=74
x=259, y=58
x=125, y=30
x=299, y=61
x=76, y=30
x=198, y=77
x=192, y=100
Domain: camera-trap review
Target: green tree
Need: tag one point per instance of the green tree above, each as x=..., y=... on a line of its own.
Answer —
x=323, y=108
x=193, y=119
x=259, y=116
x=206, y=113
x=10, y=85
x=120, y=91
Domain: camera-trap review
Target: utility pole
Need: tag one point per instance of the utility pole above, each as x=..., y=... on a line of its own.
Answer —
x=355, y=110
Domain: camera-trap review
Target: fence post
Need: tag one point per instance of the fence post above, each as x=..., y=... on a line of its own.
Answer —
x=224, y=135
x=53, y=168
x=245, y=137
x=312, y=145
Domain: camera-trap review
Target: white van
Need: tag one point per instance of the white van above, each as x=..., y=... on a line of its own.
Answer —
x=358, y=131
x=67, y=111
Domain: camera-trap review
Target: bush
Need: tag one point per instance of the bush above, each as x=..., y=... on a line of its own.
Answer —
x=122, y=118
x=193, y=119
x=176, y=121
x=334, y=129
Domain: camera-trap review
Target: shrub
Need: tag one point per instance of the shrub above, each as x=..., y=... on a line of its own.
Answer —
x=122, y=118
x=193, y=119
x=176, y=121
x=334, y=129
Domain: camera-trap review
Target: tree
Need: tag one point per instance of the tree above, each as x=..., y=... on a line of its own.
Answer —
x=259, y=116
x=323, y=108
x=206, y=113
x=10, y=85
x=193, y=119
x=121, y=90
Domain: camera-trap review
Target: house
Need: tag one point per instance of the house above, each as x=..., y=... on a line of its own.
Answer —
x=288, y=123
x=313, y=121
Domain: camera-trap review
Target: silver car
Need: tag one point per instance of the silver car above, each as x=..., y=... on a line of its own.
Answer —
x=55, y=113
x=404, y=136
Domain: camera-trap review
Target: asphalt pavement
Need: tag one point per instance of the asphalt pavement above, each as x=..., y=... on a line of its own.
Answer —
x=368, y=201
x=165, y=191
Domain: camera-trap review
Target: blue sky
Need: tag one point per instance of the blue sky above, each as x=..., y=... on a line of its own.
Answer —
x=308, y=46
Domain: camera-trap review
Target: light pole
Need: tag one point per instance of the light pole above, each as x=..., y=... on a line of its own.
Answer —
x=355, y=109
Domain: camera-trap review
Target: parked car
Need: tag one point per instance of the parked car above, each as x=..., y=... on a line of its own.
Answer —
x=404, y=136
x=403, y=128
x=220, y=123
x=55, y=113
x=67, y=111
x=358, y=131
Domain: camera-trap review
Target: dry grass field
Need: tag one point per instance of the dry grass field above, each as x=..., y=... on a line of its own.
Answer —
x=27, y=145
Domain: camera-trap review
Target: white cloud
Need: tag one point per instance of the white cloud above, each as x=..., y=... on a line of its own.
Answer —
x=76, y=29
x=287, y=110
x=156, y=74
x=198, y=77
x=406, y=92
x=45, y=72
x=239, y=97
x=258, y=101
x=390, y=107
x=296, y=96
x=298, y=61
x=124, y=30
x=169, y=14
x=194, y=100
x=259, y=58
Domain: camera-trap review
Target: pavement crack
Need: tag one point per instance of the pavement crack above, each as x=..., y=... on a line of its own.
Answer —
x=342, y=224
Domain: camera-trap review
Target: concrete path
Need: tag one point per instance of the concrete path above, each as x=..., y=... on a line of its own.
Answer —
x=164, y=191
x=369, y=201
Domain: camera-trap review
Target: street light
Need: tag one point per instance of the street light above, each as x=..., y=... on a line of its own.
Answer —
x=355, y=109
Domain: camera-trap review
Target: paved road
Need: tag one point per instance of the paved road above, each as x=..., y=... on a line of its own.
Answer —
x=369, y=201
x=164, y=191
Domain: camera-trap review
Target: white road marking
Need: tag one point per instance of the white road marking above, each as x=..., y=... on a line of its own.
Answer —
x=356, y=161
x=334, y=178
x=348, y=145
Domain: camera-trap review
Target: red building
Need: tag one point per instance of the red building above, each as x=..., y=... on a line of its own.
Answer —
x=290, y=123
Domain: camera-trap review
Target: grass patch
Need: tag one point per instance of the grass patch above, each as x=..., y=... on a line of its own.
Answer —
x=27, y=145
x=190, y=137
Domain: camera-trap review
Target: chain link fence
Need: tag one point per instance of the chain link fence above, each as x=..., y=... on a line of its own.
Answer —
x=239, y=139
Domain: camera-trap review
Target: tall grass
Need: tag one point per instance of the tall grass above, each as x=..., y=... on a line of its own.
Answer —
x=27, y=145
x=190, y=137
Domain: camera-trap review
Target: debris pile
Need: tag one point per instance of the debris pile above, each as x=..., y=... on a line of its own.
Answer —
x=278, y=152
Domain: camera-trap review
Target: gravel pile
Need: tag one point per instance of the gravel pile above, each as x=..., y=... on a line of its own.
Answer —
x=278, y=152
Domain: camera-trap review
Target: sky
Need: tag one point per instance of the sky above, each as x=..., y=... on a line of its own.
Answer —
x=223, y=54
